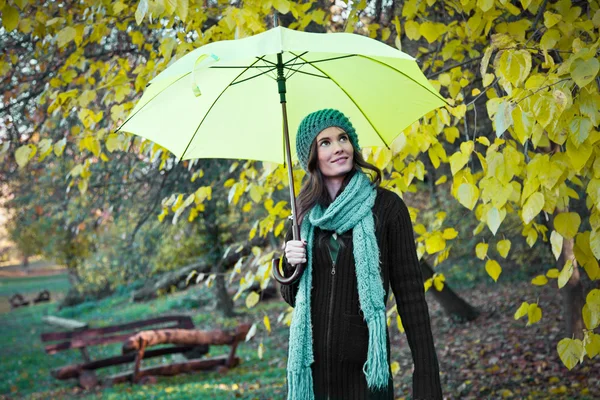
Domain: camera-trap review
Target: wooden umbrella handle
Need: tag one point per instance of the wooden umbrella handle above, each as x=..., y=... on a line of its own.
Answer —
x=288, y=158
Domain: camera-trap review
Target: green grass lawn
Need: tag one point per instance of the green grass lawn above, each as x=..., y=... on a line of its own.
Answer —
x=25, y=367
x=492, y=357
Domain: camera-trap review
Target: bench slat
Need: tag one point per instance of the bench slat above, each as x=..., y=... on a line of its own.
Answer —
x=73, y=371
x=184, y=322
x=85, y=342
x=64, y=322
x=175, y=369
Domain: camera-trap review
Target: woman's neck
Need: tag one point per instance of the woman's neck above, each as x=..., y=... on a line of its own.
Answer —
x=333, y=186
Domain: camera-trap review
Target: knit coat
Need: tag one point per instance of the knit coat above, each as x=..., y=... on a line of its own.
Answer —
x=340, y=335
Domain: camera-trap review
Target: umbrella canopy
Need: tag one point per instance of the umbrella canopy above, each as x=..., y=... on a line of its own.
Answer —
x=221, y=100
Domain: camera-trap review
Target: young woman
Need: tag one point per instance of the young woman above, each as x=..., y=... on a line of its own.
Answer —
x=357, y=241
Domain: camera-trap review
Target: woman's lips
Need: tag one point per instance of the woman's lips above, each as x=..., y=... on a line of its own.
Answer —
x=340, y=160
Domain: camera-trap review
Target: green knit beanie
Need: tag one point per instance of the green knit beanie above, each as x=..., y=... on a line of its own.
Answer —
x=313, y=124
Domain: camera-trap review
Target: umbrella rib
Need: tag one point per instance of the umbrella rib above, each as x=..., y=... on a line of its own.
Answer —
x=212, y=105
x=400, y=72
x=261, y=58
x=351, y=99
x=285, y=64
x=319, y=61
x=252, y=77
x=306, y=73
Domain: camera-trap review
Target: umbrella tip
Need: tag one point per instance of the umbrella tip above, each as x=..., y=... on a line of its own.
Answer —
x=275, y=19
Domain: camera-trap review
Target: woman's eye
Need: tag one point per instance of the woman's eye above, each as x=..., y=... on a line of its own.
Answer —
x=344, y=138
x=325, y=143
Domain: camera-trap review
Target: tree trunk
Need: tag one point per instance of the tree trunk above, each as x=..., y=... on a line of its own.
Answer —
x=573, y=293
x=224, y=301
x=453, y=304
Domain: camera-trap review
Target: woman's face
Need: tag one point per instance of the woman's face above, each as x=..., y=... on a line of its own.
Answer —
x=335, y=152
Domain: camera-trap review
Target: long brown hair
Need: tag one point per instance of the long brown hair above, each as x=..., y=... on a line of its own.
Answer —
x=314, y=190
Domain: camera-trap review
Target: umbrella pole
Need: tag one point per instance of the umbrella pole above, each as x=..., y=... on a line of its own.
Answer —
x=288, y=159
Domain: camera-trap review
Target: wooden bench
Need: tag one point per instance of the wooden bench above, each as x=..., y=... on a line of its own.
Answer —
x=83, y=338
x=42, y=297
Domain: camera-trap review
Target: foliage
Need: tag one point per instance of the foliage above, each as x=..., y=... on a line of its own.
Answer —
x=517, y=142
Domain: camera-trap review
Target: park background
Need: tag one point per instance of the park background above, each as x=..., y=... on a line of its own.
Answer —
x=503, y=186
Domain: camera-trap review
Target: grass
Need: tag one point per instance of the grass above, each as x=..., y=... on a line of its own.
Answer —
x=31, y=285
x=25, y=367
x=491, y=357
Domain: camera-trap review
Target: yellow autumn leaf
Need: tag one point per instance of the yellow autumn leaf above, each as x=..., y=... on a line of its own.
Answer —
x=488, y=79
x=45, y=148
x=395, y=367
x=503, y=247
x=493, y=220
x=593, y=298
x=493, y=269
x=570, y=351
x=481, y=250
x=592, y=346
x=485, y=5
x=113, y=142
x=141, y=11
x=10, y=18
x=59, y=147
x=430, y=31
x=399, y=324
x=591, y=316
x=567, y=224
x=438, y=282
x=252, y=299
x=522, y=311
x=449, y=233
x=65, y=36
x=435, y=243
x=261, y=351
x=565, y=274
x=427, y=284
x=534, y=314
x=584, y=71
x=553, y=273
x=267, y=323
x=532, y=207
x=483, y=140
x=442, y=179
x=539, y=280
x=551, y=19
x=412, y=30
x=595, y=242
x=556, y=240
x=25, y=153
x=467, y=195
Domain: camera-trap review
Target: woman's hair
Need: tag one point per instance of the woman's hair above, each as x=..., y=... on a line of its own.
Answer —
x=314, y=190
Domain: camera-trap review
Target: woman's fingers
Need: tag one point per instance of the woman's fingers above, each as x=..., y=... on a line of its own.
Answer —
x=295, y=252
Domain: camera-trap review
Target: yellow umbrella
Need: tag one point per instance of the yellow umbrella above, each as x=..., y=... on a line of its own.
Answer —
x=230, y=99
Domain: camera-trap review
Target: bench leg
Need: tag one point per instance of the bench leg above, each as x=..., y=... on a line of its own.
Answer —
x=231, y=359
x=85, y=355
x=138, y=363
x=88, y=380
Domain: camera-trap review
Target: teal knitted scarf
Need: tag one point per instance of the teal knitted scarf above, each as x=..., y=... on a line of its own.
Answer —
x=350, y=210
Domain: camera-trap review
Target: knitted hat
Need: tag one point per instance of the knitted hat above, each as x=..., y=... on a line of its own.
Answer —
x=313, y=124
